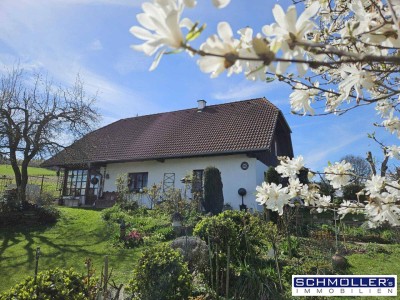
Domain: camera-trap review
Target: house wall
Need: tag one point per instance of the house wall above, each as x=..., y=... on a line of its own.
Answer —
x=260, y=169
x=233, y=177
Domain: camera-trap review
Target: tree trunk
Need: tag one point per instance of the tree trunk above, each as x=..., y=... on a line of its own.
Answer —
x=24, y=183
x=21, y=190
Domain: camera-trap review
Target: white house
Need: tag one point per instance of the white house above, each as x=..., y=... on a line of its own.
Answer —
x=240, y=138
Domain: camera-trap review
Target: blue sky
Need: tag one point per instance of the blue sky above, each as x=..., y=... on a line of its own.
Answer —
x=91, y=37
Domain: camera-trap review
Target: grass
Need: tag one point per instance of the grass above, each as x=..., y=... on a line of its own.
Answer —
x=378, y=260
x=80, y=233
x=364, y=259
x=32, y=171
x=48, y=182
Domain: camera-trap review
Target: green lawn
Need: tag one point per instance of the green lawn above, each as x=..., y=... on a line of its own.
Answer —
x=8, y=171
x=80, y=233
x=379, y=260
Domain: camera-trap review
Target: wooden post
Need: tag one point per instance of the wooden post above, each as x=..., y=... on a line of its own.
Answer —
x=41, y=185
x=228, y=257
x=210, y=255
x=105, y=274
x=216, y=271
x=37, y=262
x=36, y=268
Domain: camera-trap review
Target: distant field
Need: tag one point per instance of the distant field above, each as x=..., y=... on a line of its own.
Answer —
x=8, y=171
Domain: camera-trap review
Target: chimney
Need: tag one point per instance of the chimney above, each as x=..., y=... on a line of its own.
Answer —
x=201, y=104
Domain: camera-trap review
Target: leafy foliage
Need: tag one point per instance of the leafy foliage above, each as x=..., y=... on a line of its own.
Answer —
x=272, y=176
x=160, y=274
x=242, y=231
x=54, y=284
x=194, y=251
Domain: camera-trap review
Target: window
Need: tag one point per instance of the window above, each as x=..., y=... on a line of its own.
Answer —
x=137, y=181
x=76, y=183
x=197, y=184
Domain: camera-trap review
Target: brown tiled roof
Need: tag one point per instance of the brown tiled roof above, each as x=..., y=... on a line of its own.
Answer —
x=235, y=127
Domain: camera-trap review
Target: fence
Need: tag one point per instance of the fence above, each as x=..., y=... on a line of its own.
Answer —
x=36, y=184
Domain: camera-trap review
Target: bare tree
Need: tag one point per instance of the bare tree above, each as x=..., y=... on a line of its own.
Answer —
x=35, y=116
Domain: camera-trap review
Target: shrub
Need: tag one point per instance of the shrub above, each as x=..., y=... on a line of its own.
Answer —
x=115, y=214
x=194, y=251
x=46, y=199
x=243, y=231
x=294, y=246
x=272, y=176
x=48, y=214
x=255, y=283
x=350, y=192
x=213, y=195
x=133, y=239
x=55, y=284
x=160, y=274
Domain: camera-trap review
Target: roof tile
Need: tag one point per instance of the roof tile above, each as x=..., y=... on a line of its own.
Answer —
x=226, y=128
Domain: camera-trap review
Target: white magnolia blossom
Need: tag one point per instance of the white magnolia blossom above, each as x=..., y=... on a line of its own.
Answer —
x=254, y=48
x=354, y=78
x=324, y=203
x=289, y=29
x=393, y=151
x=273, y=196
x=301, y=98
x=290, y=167
x=220, y=3
x=338, y=174
x=384, y=108
x=223, y=45
x=161, y=28
x=374, y=186
x=310, y=195
x=350, y=207
x=383, y=210
x=393, y=188
x=295, y=187
x=392, y=124
x=346, y=54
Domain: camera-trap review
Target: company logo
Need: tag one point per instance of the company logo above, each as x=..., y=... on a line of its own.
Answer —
x=344, y=285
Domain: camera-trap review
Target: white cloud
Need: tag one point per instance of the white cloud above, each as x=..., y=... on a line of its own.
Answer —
x=244, y=90
x=130, y=62
x=95, y=45
x=318, y=157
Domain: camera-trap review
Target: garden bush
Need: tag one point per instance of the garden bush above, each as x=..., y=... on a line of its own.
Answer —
x=132, y=239
x=240, y=232
x=243, y=231
x=255, y=283
x=48, y=214
x=194, y=251
x=160, y=274
x=55, y=284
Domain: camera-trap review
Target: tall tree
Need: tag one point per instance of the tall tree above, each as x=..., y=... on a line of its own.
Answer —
x=35, y=115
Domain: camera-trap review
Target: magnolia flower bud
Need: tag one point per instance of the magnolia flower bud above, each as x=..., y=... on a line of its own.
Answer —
x=263, y=51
